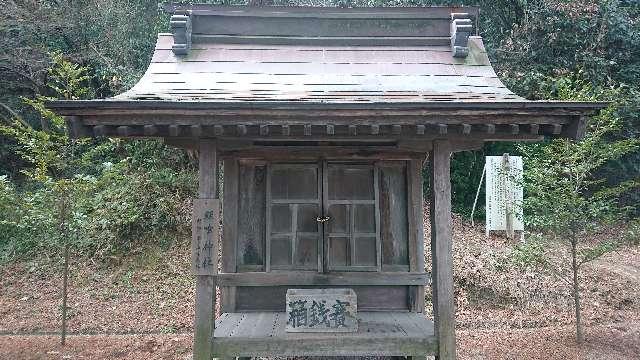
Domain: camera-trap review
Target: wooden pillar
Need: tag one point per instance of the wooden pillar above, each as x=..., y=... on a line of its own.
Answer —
x=441, y=257
x=416, y=230
x=205, y=284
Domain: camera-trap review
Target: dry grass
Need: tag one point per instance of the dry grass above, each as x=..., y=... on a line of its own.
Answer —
x=504, y=310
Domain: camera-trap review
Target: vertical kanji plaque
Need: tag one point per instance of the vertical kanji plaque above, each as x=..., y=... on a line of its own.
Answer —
x=204, y=241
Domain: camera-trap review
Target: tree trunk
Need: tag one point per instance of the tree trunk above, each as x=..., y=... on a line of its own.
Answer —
x=65, y=277
x=64, y=232
x=576, y=291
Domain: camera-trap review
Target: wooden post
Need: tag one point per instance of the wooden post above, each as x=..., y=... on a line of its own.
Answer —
x=441, y=257
x=508, y=195
x=205, y=284
x=416, y=229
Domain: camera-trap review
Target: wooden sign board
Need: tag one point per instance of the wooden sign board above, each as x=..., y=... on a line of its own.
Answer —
x=321, y=310
x=504, y=193
x=205, y=232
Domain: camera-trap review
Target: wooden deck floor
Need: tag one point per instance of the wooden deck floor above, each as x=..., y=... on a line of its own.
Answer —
x=379, y=334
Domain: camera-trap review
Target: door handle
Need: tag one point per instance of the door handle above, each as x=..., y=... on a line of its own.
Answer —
x=322, y=219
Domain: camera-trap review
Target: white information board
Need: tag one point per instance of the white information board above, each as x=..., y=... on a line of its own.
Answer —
x=504, y=193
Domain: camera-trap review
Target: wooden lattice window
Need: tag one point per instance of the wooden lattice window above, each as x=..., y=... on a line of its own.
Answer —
x=282, y=205
x=293, y=205
x=353, y=241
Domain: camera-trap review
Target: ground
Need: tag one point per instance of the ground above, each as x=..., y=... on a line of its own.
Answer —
x=140, y=306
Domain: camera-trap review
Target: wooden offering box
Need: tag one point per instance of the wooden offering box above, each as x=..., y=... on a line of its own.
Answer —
x=321, y=310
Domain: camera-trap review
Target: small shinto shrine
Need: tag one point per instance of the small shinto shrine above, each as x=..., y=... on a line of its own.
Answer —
x=320, y=121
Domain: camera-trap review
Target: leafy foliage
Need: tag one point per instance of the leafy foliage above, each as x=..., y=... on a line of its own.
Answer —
x=565, y=199
x=119, y=193
x=550, y=49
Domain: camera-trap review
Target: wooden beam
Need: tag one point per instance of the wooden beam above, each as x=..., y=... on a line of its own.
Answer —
x=100, y=130
x=441, y=254
x=330, y=130
x=124, y=131
x=491, y=128
x=163, y=112
x=174, y=130
x=77, y=129
x=319, y=279
x=196, y=130
x=205, y=284
x=577, y=128
x=466, y=145
x=150, y=130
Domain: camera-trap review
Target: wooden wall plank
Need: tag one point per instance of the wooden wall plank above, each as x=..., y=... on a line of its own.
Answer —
x=370, y=298
x=393, y=213
x=230, y=230
x=252, y=213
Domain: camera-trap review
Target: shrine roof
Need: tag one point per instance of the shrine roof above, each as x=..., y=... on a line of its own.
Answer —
x=283, y=58
x=318, y=73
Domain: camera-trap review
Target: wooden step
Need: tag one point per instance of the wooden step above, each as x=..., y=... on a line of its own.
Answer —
x=379, y=334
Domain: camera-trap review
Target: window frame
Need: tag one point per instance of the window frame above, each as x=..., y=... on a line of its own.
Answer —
x=269, y=267
x=323, y=251
x=351, y=234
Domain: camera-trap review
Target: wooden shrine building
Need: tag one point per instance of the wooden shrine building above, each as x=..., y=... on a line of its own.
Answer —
x=320, y=120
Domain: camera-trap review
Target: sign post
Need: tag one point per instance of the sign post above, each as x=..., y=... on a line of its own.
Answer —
x=504, y=194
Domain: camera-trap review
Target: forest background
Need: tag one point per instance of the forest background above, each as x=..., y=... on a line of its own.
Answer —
x=127, y=193
x=114, y=201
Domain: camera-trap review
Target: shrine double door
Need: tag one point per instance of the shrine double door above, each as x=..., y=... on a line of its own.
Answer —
x=329, y=216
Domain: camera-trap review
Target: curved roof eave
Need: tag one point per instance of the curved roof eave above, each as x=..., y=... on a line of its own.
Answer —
x=414, y=67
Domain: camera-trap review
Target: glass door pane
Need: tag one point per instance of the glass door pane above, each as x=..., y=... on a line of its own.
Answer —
x=294, y=204
x=352, y=239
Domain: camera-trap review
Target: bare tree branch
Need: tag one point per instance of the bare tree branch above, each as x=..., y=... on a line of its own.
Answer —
x=14, y=115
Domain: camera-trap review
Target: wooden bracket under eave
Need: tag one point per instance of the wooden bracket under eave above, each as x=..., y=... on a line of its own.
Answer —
x=181, y=30
x=76, y=128
x=576, y=129
x=461, y=28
